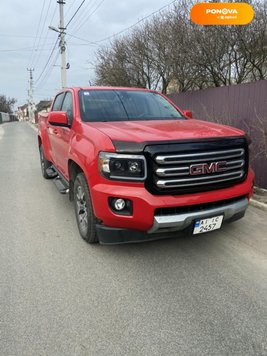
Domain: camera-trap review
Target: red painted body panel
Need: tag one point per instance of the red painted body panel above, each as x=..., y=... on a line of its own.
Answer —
x=83, y=141
x=145, y=203
x=142, y=131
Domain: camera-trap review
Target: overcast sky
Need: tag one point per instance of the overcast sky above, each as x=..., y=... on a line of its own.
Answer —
x=26, y=42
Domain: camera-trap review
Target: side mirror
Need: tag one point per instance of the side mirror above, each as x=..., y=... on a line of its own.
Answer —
x=58, y=118
x=188, y=114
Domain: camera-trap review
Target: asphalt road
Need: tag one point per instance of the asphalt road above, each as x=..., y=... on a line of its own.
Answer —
x=203, y=295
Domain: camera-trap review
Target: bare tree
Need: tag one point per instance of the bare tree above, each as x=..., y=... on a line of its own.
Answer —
x=171, y=51
x=7, y=104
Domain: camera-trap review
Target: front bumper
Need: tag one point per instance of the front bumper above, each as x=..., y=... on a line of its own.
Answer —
x=168, y=225
x=145, y=224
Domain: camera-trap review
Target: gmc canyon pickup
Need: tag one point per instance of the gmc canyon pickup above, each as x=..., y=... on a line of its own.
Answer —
x=139, y=168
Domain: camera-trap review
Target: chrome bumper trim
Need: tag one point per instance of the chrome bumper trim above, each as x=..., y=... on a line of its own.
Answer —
x=182, y=221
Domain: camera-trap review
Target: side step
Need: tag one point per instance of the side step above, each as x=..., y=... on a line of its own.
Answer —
x=51, y=172
x=59, y=183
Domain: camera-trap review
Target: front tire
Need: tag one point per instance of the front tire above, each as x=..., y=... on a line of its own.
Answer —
x=45, y=164
x=85, y=217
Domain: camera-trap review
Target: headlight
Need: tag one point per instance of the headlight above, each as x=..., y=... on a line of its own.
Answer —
x=122, y=167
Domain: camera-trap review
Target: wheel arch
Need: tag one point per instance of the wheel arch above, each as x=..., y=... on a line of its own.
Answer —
x=74, y=169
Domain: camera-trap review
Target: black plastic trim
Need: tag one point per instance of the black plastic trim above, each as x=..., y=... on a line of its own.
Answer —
x=138, y=147
x=114, y=236
x=152, y=150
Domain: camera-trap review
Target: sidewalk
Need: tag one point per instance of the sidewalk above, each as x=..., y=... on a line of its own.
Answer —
x=259, y=198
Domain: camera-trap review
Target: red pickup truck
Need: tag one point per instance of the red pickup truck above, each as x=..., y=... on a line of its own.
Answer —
x=139, y=168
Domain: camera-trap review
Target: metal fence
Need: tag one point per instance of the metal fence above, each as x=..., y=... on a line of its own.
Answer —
x=243, y=106
x=5, y=117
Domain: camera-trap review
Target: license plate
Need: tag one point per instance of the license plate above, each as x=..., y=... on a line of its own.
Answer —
x=210, y=224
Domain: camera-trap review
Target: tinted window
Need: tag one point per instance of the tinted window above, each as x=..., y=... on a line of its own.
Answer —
x=125, y=105
x=57, y=102
x=67, y=106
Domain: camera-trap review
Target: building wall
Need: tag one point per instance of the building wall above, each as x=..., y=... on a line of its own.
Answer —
x=243, y=106
x=5, y=117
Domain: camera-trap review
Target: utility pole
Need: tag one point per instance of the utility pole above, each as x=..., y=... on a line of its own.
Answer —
x=30, y=96
x=62, y=44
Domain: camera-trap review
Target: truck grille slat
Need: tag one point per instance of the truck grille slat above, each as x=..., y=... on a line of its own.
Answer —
x=170, y=172
x=199, y=180
x=218, y=155
x=197, y=166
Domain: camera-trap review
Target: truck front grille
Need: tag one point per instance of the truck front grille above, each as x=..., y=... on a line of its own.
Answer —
x=197, y=166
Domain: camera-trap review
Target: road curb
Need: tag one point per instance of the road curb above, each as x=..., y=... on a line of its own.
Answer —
x=258, y=204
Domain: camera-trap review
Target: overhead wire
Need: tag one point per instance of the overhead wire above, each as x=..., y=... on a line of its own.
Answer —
x=90, y=14
x=48, y=72
x=43, y=43
x=43, y=77
x=123, y=30
x=75, y=13
x=52, y=50
x=48, y=60
x=37, y=32
x=71, y=6
x=24, y=49
x=42, y=27
x=135, y=24
x=82, y=16
x=81, y=39
x=81, y=21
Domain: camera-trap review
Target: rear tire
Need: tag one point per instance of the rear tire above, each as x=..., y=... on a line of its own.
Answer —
x=85, y=217
x=44, y=163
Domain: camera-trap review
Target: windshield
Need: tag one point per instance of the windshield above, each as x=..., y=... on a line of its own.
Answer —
x=125, y=105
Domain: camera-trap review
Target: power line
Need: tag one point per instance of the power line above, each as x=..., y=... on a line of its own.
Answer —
x=81, y=39
x=42, y=28
x=48, y=72
x=75, y=13
x=49, y=58
x=124, y=30
x=135, y=24
x=45, y=39
x=71, y=6
x=53, y=14
x=24, y=49
x=38, y=28
x=15, y=36
x=90, y=14
x=81, y=18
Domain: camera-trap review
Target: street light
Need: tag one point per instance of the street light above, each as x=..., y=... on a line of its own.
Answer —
x=54, y=29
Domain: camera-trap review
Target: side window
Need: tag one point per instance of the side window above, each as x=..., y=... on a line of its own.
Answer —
x=67, y=106
x=57, y=102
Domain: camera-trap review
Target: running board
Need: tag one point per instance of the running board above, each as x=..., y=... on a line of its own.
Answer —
x=60, y=182
x=62, y=188
x=51, y=172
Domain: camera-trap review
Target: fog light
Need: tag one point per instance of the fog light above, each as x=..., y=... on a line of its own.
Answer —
x=119, y=204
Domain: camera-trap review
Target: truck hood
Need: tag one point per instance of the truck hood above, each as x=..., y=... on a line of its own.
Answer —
x=169, y=130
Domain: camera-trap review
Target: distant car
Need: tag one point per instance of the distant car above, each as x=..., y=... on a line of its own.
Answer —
x=139, y=168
